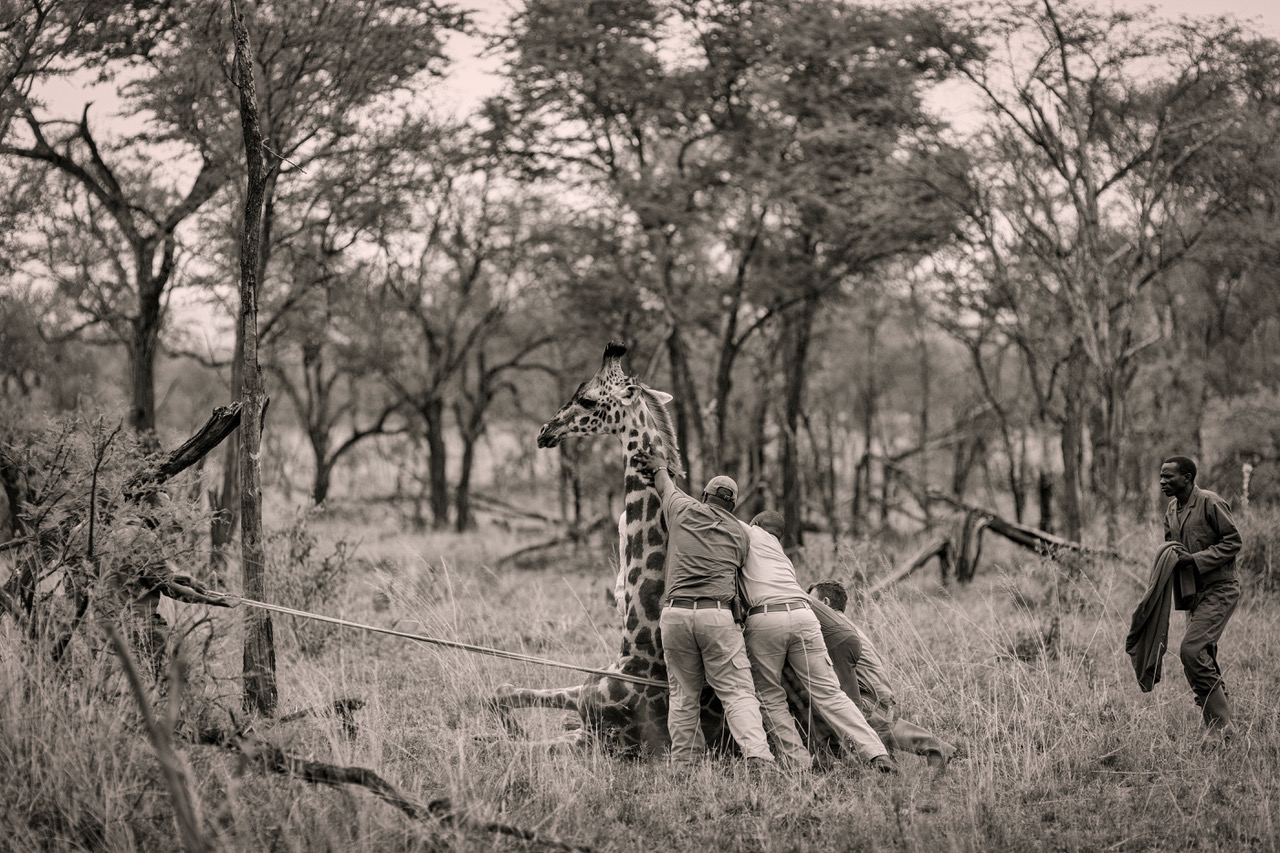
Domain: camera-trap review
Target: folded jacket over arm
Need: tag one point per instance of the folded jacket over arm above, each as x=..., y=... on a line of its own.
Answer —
x=1149, y=630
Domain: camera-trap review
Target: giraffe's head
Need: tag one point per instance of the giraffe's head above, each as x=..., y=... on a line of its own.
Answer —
x=612, y=403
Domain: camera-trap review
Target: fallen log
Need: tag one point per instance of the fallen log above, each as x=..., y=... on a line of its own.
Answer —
x=940, y=548
x=979, y=519
x=1023, y=534
x=573, y=536
x=440, y=810
x=493, y=504
x=1040, y=541
x=162, y=731
x=344, y=709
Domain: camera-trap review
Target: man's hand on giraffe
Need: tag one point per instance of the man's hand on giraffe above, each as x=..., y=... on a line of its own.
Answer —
x=650, y=463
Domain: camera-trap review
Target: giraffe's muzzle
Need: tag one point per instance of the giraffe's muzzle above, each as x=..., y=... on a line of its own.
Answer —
x=549, y=435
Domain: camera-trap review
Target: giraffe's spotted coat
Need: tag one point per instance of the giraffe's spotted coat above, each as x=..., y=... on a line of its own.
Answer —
x=624, y=715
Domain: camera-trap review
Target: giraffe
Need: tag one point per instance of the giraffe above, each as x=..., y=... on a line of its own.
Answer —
x=626, y=716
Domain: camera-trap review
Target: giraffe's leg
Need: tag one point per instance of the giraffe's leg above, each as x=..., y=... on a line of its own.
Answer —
x=508, y=697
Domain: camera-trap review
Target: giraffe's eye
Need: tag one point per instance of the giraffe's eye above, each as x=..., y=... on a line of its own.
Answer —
x=588, y=402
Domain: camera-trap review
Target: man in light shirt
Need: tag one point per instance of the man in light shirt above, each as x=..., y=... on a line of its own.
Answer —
x=782, y=629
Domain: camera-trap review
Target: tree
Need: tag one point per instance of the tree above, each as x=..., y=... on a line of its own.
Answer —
x=126, y=226
x=325, y=71
x=447, y=292
x=1092, y=119
x=259, y=645
x=726, y=136
x=44, y=38
x=313, y=338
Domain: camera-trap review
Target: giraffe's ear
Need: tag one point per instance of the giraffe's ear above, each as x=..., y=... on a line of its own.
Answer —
x=661, y=396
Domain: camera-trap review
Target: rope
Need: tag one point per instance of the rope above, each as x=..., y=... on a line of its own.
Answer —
x=453, y=644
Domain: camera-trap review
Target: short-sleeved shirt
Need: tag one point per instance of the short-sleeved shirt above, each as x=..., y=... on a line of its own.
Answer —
x=768, y=576
x=706, y=546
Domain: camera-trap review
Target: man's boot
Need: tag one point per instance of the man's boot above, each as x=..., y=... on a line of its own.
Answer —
x=1217, y=711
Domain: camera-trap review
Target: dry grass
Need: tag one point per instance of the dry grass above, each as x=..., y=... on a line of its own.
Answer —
x=1025, y=667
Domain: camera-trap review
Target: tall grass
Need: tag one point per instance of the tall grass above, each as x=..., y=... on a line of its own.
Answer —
x=1025, y=667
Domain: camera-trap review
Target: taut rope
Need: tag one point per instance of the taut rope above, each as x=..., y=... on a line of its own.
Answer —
x=454, y=644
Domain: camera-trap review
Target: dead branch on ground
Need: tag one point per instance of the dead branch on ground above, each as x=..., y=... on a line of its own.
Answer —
x=440, y=810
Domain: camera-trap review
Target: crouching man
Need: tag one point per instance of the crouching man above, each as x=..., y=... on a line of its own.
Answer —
x=861, y=672
x=138, y=571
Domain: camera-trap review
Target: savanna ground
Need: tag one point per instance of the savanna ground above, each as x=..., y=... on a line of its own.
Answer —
x=1025, y=667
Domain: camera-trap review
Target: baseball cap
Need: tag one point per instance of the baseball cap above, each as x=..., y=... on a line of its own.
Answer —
x=722, y=487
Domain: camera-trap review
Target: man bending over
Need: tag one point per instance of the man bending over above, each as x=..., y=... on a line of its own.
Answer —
x=861, y=672
x=782, y=629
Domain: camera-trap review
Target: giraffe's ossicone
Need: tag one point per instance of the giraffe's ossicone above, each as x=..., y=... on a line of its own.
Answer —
x=622, y=714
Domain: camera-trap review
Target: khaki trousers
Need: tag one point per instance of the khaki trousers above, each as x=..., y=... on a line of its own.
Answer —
x=705, y=647
x=795, y=637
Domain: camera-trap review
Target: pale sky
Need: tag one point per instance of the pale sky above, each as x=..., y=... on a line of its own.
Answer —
x=473, y=77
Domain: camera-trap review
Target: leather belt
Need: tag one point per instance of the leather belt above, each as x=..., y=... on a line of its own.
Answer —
x=698, y=603
x=778, y=608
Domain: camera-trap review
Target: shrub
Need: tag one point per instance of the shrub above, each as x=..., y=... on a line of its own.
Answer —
x=1260, y=529
x=303, y=576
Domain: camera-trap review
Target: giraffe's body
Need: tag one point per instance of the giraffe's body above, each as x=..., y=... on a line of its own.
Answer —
x=625, y=715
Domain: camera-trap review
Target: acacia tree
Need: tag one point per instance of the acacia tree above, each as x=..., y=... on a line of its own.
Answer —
x=45, y=38
x=325, y=70
x=121, y=239
x=704, y=124
x=446, y=292
x=1092, y=117
x=125, y=214
x=1220, y=312
x=313, y=338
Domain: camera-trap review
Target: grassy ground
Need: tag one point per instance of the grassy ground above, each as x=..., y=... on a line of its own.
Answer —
x=1025, y=667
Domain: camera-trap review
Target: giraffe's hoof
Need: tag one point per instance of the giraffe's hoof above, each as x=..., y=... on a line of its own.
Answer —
x=500, y=700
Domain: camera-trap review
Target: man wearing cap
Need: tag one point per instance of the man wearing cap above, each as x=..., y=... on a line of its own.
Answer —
x=701, y=642
x=782, y=629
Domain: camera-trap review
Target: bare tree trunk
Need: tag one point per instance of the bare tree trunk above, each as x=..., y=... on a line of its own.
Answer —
x=1045, y=493
x=225, y=502
x=259, y=663
x=861, y=492
x=437, y=462
x=799, y=331
x=862, y=474
x=462, y=495
x=1072, y=447
x=688, y=411
x=926, y=383
x=142, y=362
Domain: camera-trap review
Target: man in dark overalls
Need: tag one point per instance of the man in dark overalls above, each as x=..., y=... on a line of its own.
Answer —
x=1200, y=522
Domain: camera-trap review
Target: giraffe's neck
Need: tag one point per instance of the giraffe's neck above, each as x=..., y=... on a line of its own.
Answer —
x=646, y=554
